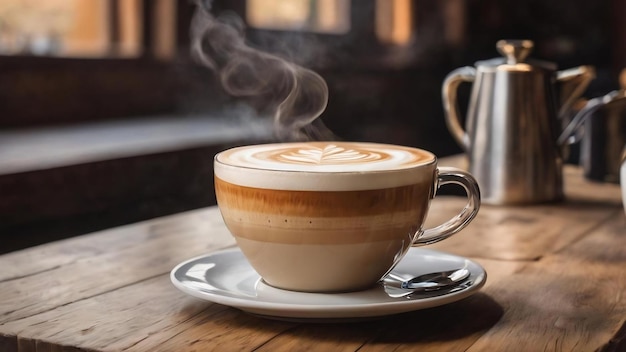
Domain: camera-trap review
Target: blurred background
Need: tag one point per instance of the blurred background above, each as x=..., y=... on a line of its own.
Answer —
x=106, y=119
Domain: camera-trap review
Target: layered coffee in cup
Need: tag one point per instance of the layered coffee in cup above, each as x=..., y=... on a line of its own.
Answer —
x=331, y=216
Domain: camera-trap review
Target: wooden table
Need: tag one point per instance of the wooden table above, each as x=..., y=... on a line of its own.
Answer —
x=556, y=282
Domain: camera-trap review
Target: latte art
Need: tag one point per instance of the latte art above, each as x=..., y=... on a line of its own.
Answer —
x=330, y=154
x=326, y=157
x=329, y=166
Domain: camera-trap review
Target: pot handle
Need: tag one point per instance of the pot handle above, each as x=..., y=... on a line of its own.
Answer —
x=574, y=82
x=449, y=96
x=569, y=135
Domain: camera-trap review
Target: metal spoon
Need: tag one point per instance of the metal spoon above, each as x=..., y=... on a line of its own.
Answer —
x=427, y=282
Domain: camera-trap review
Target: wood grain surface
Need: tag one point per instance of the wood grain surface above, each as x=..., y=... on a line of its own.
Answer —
x=556, y=282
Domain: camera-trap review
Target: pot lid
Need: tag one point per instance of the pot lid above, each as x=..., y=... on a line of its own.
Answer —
x=515, y=54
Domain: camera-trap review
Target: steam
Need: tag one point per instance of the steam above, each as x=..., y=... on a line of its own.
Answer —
x=294, y=95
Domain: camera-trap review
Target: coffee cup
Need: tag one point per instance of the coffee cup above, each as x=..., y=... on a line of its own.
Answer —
x=332, y=216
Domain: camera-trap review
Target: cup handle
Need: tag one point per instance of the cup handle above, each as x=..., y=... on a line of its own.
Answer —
x=449, y=175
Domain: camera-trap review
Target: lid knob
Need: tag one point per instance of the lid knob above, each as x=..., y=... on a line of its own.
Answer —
x=515, y=51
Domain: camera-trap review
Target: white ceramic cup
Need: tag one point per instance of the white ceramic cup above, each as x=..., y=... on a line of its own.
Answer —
x=332, y=216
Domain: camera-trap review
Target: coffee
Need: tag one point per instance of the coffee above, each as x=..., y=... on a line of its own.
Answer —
x=308, y=216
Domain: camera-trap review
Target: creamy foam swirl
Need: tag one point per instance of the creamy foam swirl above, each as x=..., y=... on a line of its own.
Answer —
x=329, y=154
x=325, y=166
x=326, y=157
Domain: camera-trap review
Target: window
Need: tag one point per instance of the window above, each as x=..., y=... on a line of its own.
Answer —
x=85, y=28
x=319, y=16
x=394, y=21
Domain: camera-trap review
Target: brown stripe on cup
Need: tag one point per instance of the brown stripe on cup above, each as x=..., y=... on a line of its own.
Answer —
x=325, y=204
x=342, y=231
x=313, y=217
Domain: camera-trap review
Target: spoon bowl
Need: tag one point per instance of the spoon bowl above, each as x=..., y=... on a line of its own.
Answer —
x=426, y=282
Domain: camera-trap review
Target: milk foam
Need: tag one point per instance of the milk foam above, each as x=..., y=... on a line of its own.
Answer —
x=324, y=166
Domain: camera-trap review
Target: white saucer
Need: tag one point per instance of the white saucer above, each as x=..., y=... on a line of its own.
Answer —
x=226, y=277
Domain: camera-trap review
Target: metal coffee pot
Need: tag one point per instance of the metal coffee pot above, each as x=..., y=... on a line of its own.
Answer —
x=604, y=134
x=513, y=135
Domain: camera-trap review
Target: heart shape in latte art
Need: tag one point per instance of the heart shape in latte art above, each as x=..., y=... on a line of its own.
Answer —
x=330, y=154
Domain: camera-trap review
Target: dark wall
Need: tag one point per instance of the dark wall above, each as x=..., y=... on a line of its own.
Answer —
x=377, y=92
